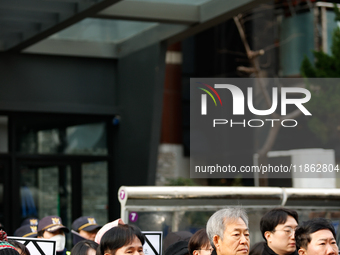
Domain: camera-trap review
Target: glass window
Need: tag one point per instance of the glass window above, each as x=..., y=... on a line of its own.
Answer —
x=95, y=191
x=48, y=141
x=86, y=139
x=114, y=31
x=169, y=221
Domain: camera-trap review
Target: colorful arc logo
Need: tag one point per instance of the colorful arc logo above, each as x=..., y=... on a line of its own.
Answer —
x=204, y=97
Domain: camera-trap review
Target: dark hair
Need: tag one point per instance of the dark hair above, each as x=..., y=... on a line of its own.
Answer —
x=41, y=233
x=274, y=217
x=23, y=248
x=9, y=251
x=302, y=234
x=198, y=240
x=257, y=248
x=82, y=247
x=118, y=237
x=2, y=227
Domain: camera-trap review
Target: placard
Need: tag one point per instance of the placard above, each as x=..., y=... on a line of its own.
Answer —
x=153, y=242
x=37, y=246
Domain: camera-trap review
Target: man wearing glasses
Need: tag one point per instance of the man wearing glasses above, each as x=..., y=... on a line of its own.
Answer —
x=228, y=232
x=316, y=237
x=278, y=228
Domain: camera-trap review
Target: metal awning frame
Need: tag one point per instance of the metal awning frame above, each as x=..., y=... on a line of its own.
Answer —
x=31, y=23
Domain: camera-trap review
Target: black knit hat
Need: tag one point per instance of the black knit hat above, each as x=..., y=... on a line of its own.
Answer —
x=5, y=247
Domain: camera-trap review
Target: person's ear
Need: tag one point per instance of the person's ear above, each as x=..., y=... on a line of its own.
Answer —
x=268, y=236
x=302, y=251
x=216, y=241
x=195, y=252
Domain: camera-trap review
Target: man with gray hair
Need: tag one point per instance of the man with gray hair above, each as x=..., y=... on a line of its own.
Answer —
x=228, y=232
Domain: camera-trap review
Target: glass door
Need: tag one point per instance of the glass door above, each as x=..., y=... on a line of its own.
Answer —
x=46, y=190
x=70, y=190
x=95, y=190
x=60, y=167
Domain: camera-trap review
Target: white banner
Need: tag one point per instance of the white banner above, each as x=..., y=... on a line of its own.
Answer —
x=37, y=246
x=153, y=242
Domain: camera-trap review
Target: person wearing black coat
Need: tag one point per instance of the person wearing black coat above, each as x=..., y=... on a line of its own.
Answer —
x=278, y=228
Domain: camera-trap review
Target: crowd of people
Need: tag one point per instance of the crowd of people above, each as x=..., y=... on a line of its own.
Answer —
x=226, y=233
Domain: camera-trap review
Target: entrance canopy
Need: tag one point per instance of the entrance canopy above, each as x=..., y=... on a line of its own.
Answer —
x=107, y=28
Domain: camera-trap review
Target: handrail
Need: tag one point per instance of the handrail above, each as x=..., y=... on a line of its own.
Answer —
x=190, y=192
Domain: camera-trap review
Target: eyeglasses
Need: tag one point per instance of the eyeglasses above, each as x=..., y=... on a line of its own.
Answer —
x=288, y=230
x=210, y=250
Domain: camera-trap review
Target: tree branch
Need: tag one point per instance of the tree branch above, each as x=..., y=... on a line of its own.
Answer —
x=253, y=60
x=292, y=115
x=255, y=68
